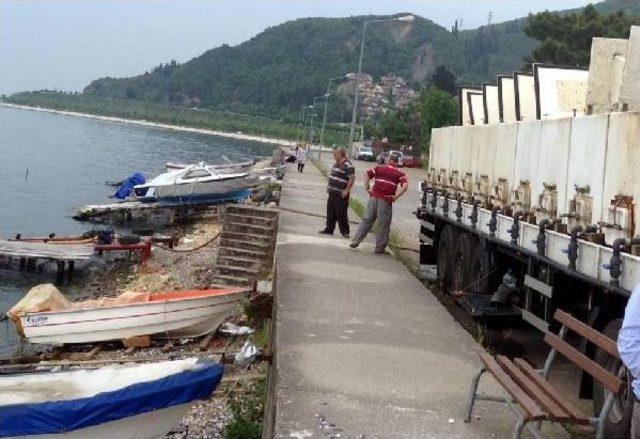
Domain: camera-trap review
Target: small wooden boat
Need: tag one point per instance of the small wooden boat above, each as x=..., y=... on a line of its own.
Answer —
x=141, y=401
x=173, y=314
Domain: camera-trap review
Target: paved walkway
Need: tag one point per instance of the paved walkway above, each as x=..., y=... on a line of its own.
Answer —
x=362, y=346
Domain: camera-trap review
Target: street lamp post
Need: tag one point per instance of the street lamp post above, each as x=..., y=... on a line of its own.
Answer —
x=324, y=118
x=404, y=18
x=299, y=122
x=313, y=116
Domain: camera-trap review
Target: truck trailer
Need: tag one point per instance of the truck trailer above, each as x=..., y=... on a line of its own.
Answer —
x=530, y=206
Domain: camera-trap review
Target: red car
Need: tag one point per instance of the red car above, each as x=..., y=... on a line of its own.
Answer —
x=411, y=161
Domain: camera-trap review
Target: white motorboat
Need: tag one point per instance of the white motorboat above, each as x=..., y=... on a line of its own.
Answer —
x=223, y=167
x=198, y=184
x=172, y=314
x=140, y=401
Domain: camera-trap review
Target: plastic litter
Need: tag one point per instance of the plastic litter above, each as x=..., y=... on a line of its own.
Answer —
x=452, y=421
x=233, y=329
x=246, y=355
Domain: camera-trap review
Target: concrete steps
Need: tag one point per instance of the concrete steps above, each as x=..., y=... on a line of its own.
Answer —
x=246, y=244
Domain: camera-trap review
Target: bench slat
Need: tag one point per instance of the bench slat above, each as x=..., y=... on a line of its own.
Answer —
x=530, y=408
x=534, y=375
x=556, y=411
x=599, y=373
x=593, y=336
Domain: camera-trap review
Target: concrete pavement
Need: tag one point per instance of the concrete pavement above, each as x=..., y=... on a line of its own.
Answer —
x=363, y=348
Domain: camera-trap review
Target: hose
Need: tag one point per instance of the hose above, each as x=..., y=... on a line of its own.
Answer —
x=188, y=250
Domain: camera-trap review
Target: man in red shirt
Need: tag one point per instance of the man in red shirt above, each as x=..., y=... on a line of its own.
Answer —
x=389, y=184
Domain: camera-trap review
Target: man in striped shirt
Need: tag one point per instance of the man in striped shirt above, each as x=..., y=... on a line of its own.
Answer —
x=389, y=184
x=341, y=181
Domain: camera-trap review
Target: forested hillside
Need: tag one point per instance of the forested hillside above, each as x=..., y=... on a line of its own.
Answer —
x=287, y=65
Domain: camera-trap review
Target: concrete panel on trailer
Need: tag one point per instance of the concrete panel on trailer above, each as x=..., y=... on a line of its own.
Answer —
x=528, y=152
x=476, y=101
x=588, y=152
x=554, y=157
x=434, y=148
x=506, y=142
x=506, y=99
x=525, y=100
x=630, y=88
x=605, y=74
x=466, y=150
x=488, y=136
x=623, y=162
x=560, y=91
x=491, y=104
x=461, y=149
x=463, y=105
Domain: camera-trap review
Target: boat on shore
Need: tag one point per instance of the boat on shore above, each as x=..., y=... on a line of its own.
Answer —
x=49, y=318
x=140, y=401
x=236, y=166
x=197, y=184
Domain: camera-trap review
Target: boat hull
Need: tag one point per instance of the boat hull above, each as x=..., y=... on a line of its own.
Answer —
x=150, y=425
x=183, y=318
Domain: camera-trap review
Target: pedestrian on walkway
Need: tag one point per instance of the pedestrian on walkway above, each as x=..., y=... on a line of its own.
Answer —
x=341, y=181
x=629, y=349
x=389, y=184
x=301, y=156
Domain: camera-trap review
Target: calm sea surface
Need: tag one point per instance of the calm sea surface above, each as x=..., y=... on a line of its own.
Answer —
x=51, y=163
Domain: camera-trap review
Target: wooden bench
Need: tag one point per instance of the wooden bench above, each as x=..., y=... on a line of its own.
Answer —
x=533, y=397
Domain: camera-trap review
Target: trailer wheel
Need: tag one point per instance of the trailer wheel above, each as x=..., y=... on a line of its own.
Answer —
x=446, y=253
x=461, y=270
x=482, y=268
x=618, y=422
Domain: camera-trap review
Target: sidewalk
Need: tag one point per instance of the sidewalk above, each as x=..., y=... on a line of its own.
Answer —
x=361, y=344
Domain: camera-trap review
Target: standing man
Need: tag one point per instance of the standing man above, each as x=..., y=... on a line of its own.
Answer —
x=341, y=181
x=629, y=349
x=301, y=156
x=389, y=184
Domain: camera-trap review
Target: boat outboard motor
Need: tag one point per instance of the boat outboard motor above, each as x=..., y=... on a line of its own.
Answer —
x=105, y=237
x=508, y=286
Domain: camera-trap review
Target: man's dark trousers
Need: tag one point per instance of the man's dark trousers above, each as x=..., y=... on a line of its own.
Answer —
x=337, y=209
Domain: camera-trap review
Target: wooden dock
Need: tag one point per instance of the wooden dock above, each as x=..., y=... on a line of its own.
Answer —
x=40, y=250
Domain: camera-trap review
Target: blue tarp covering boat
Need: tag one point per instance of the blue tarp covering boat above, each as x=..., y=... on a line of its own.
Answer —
x=87, y=401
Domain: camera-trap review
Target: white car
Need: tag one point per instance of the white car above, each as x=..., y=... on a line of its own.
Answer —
x=400, y=156
x=365, y=153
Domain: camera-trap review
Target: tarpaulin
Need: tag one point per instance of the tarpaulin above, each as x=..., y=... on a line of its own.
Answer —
x=63, y=416
x=126, y=187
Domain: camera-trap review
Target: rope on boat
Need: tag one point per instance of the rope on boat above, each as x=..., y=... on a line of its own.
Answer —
x=188, y=250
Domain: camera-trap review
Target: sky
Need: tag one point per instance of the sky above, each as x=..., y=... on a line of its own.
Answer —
x=65, y=44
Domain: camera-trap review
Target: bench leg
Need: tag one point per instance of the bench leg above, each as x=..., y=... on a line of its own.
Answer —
x=517, y=432
x=472, y=393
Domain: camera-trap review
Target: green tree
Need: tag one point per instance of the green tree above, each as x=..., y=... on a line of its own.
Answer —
x=444, y=79
x=566, y=38
x=437, y=109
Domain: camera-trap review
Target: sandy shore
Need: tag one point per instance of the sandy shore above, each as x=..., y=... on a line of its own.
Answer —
x=163, y=126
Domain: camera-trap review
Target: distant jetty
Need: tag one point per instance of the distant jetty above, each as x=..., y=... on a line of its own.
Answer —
x=164, y=126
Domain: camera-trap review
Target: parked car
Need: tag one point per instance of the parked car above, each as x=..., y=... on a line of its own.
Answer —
x=400, y=156
x=365, y=153
x=382, y=157
x=411, y=161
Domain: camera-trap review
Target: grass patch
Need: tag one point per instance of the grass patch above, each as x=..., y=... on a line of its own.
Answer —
x=261, y=338
x=357, y=206
x=247, y=411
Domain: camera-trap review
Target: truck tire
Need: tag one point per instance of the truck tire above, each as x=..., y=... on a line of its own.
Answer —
x=618, y=422
x=483, y=270
x=461, y=270
x=446, y=252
